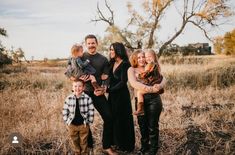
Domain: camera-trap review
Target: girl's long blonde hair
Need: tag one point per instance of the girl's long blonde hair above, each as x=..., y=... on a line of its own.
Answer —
x=151, y=51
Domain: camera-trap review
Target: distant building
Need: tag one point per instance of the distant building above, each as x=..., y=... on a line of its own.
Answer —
x=190, y=49
x=202, y=48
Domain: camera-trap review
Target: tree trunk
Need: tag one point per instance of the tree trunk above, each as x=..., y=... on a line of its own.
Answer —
x=173, y=37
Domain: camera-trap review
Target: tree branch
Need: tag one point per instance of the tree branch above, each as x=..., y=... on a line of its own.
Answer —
x=184, y=22
x=101, y=17
x=154, y=26
x=201, y=28
x=111, y=11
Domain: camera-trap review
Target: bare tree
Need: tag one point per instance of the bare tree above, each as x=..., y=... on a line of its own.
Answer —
x=117, y=34
x=200, y=13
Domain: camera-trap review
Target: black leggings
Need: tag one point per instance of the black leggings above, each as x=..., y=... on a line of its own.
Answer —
x=148, y=123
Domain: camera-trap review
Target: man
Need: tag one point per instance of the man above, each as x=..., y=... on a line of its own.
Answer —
x=101, y=65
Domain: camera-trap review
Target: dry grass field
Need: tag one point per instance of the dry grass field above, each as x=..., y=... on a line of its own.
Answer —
x=198, y=116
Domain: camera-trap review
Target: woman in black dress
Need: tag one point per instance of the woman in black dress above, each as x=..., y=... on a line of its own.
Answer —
x=119, y=99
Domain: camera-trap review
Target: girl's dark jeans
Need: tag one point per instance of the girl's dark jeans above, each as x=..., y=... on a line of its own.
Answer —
x=148, y=123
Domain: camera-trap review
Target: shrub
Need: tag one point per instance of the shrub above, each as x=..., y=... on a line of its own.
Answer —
x=4, y=59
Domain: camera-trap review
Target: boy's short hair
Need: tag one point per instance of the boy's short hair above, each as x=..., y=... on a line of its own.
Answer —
x=75, y=48
x=79, y=80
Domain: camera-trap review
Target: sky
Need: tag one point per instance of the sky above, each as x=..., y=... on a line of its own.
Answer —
x=48, y=28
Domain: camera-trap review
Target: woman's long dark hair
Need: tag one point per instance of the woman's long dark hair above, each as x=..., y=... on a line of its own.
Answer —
x=120, y=50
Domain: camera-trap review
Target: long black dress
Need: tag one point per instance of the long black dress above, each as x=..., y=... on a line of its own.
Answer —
x=119, y=99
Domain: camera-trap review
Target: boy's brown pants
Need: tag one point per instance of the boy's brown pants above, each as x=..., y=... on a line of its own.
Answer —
x=78, y=138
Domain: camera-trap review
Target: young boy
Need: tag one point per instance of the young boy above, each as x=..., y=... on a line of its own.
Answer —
x=78, y=114
x=150, y=76
x=77, y=67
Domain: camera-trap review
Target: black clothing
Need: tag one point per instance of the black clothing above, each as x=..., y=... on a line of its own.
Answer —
x=101, y=65
x=78, y=119
x=148, y=123
x=85, y=66
x=102, y=106
x=119, y=99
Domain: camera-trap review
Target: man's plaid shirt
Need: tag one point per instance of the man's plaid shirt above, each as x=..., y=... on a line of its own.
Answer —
x=85, y=105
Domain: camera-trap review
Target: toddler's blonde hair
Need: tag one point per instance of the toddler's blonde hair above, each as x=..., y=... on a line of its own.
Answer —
x=75, y=48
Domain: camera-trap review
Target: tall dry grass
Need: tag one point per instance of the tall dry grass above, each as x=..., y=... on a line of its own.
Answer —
x=217, y=72
x=198, y=116
x=31, y=104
